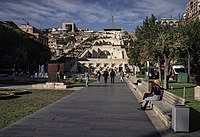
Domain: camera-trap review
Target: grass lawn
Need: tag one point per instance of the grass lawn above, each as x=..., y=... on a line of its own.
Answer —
x=195, y=105
x=82, y=84
x=19, y=107
x=189, y=90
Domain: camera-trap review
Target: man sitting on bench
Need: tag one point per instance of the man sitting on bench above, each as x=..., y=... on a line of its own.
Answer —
x=154, y=94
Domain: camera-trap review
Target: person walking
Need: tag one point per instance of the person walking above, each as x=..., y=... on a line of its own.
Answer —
x=105, y=75
x=112, y=76
x=98, y=76
x=122, y=75
x=86, y=78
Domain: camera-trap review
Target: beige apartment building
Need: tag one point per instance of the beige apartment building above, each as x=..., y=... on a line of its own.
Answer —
x=169, y=21
x=192, y=10
x=69, y=27
x=35, y=34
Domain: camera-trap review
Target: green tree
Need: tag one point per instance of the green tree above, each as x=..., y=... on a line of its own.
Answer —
x=156, y=42
x=168, y=43
x=191, y=46
x=145, y=43
x=19, y=50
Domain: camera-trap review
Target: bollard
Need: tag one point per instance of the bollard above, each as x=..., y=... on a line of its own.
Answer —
x=184, y=94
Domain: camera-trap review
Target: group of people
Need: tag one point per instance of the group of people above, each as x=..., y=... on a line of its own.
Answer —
x=155, y=90
x=105, y=75
x=112, y=75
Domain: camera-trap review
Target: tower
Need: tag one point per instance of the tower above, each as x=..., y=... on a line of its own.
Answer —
x=113, y=22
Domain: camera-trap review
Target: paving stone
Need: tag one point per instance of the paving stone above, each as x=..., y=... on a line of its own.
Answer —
x=101, y=110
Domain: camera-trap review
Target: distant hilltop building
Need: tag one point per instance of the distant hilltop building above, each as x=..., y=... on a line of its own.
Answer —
x=83, y=29
x=69, y=27
x=192, y=10
x=169, y=21
x=35, y=33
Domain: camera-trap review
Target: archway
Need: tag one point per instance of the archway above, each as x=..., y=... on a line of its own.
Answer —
x=104, y=54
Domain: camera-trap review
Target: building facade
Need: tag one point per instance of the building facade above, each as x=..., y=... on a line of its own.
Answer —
x=69, y=27
x=192, y=10
x=107, y=52
x=36, y=34
x=169, y=21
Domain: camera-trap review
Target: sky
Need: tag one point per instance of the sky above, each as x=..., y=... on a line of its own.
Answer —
x=91, y=14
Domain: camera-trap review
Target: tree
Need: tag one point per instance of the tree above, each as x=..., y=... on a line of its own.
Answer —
x=146, y=42
x=156, y=42
x=169, y=42
x=19, y=50
x=191, y=46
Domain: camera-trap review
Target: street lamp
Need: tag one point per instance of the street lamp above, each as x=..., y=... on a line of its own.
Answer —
x=148, y=75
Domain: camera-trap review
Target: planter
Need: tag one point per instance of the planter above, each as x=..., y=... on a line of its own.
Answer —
x=6, y=95
x=22, y=92
x=197, y=93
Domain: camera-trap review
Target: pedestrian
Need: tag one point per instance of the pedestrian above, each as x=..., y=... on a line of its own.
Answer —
x=105, y=75
x=112, y=76
x=156, y=94
x=98, y=76
x=58, y=75
x=86, y=78
x=122, y=75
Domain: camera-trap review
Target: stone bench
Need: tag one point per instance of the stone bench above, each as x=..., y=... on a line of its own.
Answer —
x=162, y=108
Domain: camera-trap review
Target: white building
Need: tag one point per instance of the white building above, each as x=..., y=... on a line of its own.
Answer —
x=107, y=52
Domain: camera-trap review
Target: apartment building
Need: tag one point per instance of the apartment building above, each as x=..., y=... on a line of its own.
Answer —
x=192, y=10
x=69, y=27
x=35, y=33
x=169, y=21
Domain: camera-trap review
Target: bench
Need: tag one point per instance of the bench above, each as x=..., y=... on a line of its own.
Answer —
x=162, y=108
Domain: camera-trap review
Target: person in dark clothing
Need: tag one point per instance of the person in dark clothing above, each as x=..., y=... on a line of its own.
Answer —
x=112, y=76
x=105, y=75
x=98, y=76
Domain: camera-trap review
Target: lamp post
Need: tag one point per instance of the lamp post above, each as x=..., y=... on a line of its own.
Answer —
x=148, y=75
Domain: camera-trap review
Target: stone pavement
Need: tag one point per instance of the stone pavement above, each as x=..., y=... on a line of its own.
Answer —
x=101, y=110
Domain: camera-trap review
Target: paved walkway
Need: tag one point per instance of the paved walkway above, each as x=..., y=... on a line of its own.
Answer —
x=101, y=110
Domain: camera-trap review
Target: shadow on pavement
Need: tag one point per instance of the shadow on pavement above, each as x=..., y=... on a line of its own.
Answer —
x=194, y=120
x=9, y=97
x=22, y=92
x=101, y=85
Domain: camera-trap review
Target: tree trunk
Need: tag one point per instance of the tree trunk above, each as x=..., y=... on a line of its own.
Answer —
x=166, y=70
x=165, y=75
x=189, y=75
x=159, y=69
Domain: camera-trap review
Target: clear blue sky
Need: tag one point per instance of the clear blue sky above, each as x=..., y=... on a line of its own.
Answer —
x=91, y=14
